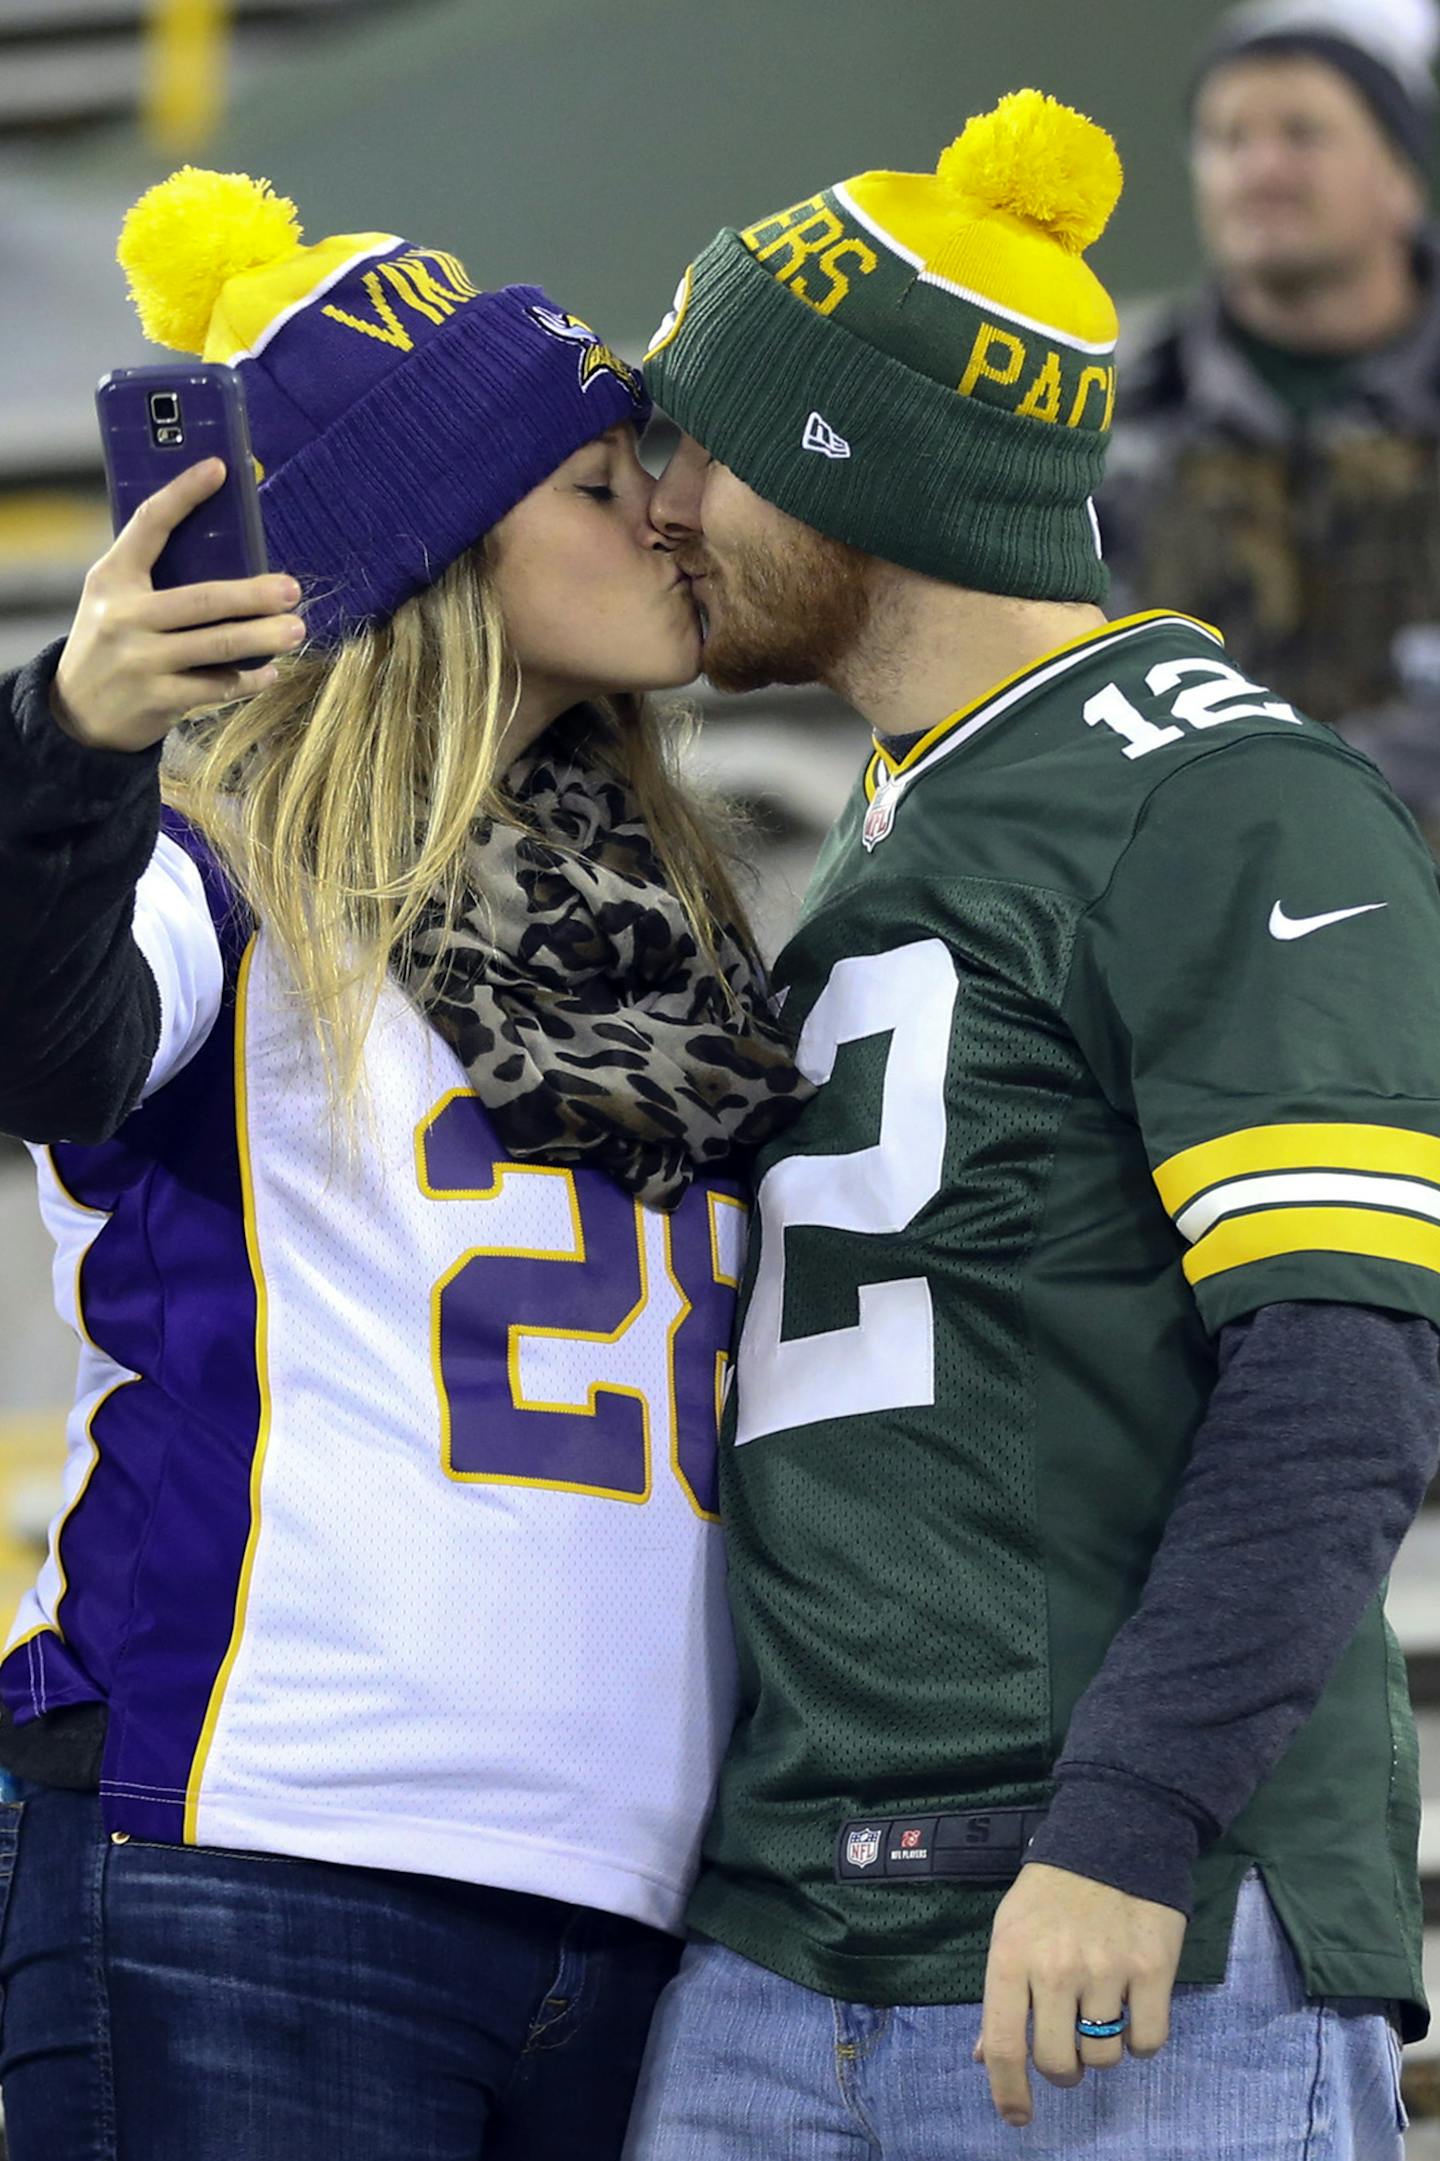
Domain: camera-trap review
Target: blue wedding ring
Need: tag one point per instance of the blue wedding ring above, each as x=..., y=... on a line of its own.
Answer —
x=1101, y=2029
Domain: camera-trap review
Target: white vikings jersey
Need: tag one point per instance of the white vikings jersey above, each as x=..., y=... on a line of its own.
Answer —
x=389, y=1533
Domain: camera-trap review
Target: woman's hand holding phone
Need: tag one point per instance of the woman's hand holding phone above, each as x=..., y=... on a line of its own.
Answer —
x=137, y=660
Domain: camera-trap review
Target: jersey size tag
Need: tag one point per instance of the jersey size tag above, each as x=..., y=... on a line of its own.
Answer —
x=982, y=1846
x=881, y=815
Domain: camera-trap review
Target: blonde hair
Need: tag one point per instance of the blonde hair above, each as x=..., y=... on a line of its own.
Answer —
x=340, y=798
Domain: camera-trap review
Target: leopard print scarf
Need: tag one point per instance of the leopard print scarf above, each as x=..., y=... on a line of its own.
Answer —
x=576, y=996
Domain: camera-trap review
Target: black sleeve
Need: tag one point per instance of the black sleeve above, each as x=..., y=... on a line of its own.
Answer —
x=64, y=1747
x=1306, y=1473
x=79, y=1006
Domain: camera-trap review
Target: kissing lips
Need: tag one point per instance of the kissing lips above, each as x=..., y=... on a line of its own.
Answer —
x=697, y=579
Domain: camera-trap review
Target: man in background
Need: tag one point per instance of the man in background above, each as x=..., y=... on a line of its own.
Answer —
x=1276, y=457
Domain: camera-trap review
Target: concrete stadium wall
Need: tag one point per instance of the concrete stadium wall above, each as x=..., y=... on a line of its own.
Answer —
x=598, y=149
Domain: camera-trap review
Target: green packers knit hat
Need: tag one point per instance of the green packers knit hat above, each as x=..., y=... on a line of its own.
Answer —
x=920, y=364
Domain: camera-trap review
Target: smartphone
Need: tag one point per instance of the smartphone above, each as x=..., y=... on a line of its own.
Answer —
x=154, y=422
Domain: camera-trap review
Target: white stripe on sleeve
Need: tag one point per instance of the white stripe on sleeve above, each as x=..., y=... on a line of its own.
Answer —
x=1307, y=1189
x=174, y=932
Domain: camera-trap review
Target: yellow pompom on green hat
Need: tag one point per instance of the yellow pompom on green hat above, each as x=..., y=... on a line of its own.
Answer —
x=921, y=364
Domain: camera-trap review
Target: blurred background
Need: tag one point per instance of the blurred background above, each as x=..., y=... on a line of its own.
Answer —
x=595, y=151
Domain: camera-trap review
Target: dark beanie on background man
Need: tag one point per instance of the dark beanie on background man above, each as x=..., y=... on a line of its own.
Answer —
x=1385, y=49
x=396, y=412
x=920, y=364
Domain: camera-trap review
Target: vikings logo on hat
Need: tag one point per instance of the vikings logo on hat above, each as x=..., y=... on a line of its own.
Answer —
x=596, y=359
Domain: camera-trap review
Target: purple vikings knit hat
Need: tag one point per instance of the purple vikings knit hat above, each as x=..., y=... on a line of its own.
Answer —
x=396, y=412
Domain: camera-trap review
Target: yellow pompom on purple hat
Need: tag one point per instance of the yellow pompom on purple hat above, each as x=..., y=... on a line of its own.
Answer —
x=397, y=411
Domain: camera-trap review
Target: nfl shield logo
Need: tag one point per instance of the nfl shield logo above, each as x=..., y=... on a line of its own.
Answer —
x=881, y=815
x=862, y=1848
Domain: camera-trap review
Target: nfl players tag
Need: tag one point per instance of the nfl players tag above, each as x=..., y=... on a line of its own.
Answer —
x=984, y=1846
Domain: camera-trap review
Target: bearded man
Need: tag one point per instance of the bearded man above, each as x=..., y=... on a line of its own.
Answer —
x=1087, y=1380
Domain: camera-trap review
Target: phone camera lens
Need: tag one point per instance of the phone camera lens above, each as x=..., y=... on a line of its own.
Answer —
x=164, y=408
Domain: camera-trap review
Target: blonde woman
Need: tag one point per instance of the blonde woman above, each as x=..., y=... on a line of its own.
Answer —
x=388, y=1043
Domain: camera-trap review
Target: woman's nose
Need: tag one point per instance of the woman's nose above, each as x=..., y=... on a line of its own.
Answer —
x=675, y=502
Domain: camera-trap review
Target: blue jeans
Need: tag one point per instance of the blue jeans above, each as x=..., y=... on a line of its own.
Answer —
x=743, y=2065
x=169, y=2003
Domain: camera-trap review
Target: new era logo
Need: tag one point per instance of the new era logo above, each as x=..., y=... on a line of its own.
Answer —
x=819, y=435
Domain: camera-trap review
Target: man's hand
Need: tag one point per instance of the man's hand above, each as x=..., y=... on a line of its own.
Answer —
x=137, y=661
x=1063, y=1948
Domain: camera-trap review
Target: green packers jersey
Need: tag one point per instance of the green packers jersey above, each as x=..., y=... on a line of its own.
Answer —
x=1122, y=995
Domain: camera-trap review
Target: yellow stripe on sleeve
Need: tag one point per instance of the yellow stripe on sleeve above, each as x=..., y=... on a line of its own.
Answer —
x=1393, y=1149
x=1370, y=1232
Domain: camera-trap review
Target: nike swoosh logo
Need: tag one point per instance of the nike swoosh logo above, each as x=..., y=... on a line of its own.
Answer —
x=1300, y=926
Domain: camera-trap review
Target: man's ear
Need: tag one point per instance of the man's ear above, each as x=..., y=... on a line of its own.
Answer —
x=1410, y=195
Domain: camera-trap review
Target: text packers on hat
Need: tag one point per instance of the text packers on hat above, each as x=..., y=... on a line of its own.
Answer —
x=921, y=364
x=396, y=412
